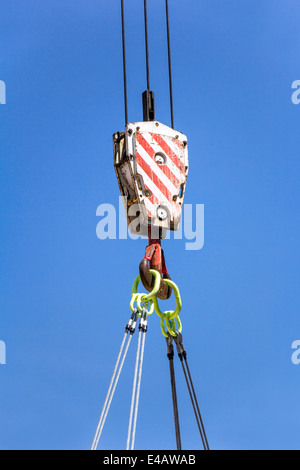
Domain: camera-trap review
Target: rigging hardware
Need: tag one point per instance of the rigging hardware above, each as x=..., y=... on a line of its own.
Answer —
x=151, y=165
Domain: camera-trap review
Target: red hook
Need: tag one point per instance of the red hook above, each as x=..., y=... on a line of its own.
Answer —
x=154, y=259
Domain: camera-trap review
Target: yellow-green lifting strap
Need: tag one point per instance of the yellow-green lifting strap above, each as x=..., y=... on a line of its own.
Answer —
x=171, y=326
x=168, y=318
x=174, y=313
x=148, y=299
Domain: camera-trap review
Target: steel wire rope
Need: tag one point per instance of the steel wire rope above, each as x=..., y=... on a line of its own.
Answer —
x=170, y=355
x=146, y=44
x=133, y=391
x=111, y=391
x=140, y=358
x=182, y=356
x=169, y=63
x=196, y=401
x=194, y=407
x=124, y=62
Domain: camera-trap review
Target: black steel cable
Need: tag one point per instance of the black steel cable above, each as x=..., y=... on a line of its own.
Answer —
x=124, y=62
x=170, y=354
x=182, y=355
x=146, y=44
x=196, y=401
x=193, y=404
x=170, y=67
x=175, y=405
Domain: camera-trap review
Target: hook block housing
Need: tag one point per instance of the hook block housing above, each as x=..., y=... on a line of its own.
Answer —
x=151, y=164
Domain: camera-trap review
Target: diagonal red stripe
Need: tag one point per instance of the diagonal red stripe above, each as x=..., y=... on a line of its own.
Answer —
x=143, y=142
x=169, y=152
x=164, y=168
x=154, y=178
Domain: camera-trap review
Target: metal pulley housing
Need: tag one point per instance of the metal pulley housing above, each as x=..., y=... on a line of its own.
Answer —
x=151, y=164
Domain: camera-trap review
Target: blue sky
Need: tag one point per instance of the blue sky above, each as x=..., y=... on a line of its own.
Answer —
x=65, y=293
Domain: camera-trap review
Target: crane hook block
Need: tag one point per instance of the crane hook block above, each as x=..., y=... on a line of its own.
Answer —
x=151, y=164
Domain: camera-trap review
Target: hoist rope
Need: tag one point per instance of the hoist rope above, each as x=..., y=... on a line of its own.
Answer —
x=130, y=327
x=137, y=380
x=169, y=61
x=194, y=407
x=196, y=402
x=138, y=390
x=133, y=392
x=124, y=63
x=146, y=44
x=96, y=439
x=147, y=58
x=170, y=355
x=183, y=359
x=102, y=422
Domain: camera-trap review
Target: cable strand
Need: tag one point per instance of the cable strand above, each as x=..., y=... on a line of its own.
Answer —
x=146, y=45
x=133, y=392
x=194, y=407
x=196, y=401
x=104, y=414
x=170, y=65
x=188, y=378
x=138, y=390
x=124, y=63
x=170, y=356
x=108, y=391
